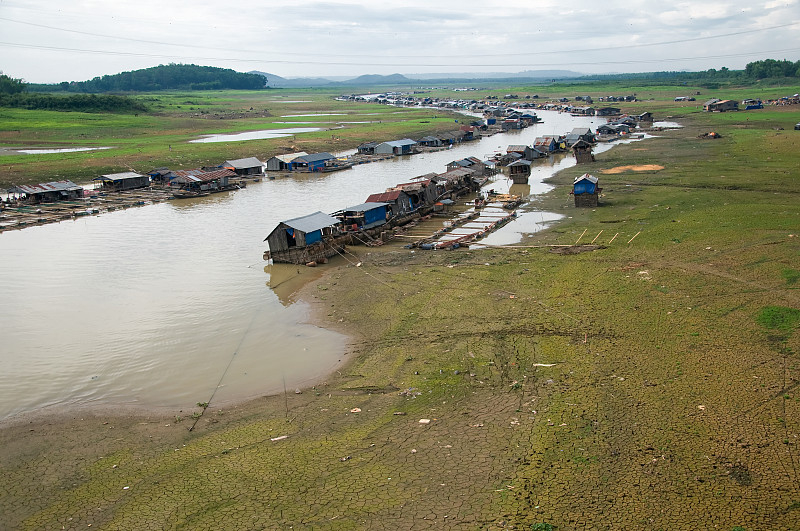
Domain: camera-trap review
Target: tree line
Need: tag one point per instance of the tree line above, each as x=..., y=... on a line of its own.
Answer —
x=757, y=70
x=72, y=102
x=163, y=77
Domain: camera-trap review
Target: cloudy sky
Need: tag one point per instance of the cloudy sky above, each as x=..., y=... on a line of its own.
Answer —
x=46, y=41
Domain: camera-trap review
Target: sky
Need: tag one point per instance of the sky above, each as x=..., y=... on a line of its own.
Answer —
x=49, y=41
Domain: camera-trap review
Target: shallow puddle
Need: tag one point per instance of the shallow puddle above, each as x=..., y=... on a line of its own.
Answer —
x=255, y=135
x=49, y=151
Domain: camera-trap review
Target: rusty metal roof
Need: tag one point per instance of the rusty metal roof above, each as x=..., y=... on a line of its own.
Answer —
x=54, y=186
x=384, y=197
x=202, y=176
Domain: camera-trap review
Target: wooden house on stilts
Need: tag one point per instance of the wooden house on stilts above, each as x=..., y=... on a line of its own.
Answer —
x=583, y=151
x=312, y=238
x=586, y=191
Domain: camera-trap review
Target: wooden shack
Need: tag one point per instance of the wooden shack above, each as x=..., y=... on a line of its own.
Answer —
x=397, y=201
x=364, y=216
x=123, y=181
x=420, y=193
x=519, y=171
x=395, y=147
x=579, y=133
x=47, y=192
x=201, y=180
x=367, y=148
x=715, y=105
x=470, y=162
x=583, y=152
x=312, y=162
x=586, y=191
x=281, y=162
x=247, y=166
x=305, y=239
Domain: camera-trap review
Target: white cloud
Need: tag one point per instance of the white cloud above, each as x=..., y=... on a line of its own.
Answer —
x=373, y=37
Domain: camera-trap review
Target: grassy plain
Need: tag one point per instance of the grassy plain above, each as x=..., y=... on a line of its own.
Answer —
x=649, y=384
x=161, y=137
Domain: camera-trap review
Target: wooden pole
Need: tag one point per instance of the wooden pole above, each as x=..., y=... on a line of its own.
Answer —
x=581, y=236
x=635, y=235
x=614, y=238
x=598, y=235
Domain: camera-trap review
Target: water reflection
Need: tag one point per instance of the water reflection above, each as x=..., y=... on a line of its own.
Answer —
x=286, y=280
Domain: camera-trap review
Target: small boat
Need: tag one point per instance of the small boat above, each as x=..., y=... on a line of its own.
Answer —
x=187, y=194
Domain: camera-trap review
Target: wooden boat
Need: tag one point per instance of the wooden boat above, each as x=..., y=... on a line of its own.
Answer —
x=188, y=194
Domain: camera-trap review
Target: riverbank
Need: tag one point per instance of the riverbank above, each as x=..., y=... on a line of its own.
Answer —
x=650, y=383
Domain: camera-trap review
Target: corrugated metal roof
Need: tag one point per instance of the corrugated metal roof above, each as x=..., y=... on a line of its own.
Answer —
x=53, y=186
x=314, y=157
x=415, y=186
x=289, y=157
x=119, y=176
x=591, y=178
x=202, y=176
x=310, y=223
x=516, y=148
x=241, y=164
x=363, y=207
x=520, y=162
x=384, y=197
x=400, y=143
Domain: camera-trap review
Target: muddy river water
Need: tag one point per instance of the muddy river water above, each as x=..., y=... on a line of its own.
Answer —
x=167, y=305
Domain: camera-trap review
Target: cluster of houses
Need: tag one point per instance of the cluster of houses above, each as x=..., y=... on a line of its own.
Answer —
x=491, y=107
x=316, y=237
x=206, y=180
x=183, y=183
x=518, y=158
x=325, y=162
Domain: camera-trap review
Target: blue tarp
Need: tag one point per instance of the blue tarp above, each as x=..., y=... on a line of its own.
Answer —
x=312, y=237
x=375, y=216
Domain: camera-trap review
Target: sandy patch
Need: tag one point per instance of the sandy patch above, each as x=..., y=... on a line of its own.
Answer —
x=641, y=167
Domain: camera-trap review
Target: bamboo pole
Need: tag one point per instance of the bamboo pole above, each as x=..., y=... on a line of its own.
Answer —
x=598, y=235
x=581, y=236
x=634, y=236
x=614, y=238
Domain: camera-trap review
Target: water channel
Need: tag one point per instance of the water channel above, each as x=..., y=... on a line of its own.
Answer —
x=165, y=305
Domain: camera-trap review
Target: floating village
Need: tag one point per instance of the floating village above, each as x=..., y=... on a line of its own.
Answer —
x=386, y=215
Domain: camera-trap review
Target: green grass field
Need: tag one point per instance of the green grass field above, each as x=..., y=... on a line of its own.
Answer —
x=161, y=138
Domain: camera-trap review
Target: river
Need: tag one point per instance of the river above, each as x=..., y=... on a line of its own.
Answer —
x=168, y=305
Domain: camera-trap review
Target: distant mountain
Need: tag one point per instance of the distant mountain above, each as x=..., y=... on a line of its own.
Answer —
x=375, y=79
x=276, y=81
x=526, y=74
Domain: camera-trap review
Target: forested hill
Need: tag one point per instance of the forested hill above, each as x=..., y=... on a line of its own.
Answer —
x=163, y=77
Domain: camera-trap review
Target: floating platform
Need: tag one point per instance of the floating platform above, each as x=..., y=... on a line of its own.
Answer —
x=470, y=226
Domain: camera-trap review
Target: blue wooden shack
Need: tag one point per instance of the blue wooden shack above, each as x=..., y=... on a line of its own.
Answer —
x=293, y=241
x=312, y=162
x=586, y=191
x=363, y=216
